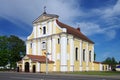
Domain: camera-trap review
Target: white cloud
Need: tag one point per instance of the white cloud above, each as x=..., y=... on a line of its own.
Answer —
x=111, y=34
x=28, y=10
x=66, y=10
x=108, y=15
x=90, y=28
x=112, y=11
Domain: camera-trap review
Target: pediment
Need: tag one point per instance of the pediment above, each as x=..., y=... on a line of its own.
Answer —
x=45, y=17
x=26, y=58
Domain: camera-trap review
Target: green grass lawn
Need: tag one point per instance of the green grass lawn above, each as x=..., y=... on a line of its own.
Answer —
x=105, y=73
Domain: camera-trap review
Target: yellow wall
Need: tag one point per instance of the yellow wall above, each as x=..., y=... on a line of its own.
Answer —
x=31, y=36
x=37, y=47
x=90, y=66
x=96, y=66
x=84, y=45
x=76, y=66
x=68, y=48
x=68, y=63
x=84, y=66
x=58, y=65
x=43, y=67
x=58, y=30
x=57, y=48
x=90, y=47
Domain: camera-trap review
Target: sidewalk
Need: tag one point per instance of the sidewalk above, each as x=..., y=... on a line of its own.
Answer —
x=67, y=74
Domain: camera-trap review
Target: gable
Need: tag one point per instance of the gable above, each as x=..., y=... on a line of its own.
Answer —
x=45, y=17
x=26, y=58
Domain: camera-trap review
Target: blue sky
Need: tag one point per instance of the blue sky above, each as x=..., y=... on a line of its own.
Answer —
x=98, y=19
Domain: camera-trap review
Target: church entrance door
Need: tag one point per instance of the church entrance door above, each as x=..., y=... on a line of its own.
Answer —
x=27, y=67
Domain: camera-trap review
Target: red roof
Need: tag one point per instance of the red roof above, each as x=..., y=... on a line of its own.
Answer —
x=96, y=62
x=36, y=58
x=73, y=31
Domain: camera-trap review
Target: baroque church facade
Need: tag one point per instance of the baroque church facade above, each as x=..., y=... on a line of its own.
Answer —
x=69, y=49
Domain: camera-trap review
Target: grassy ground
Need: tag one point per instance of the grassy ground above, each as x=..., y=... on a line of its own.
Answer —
x=105, y=73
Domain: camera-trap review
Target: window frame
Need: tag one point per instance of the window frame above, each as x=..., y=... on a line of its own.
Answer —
x=44, y=29
x=76, y=53
x=90, y=56
x=83, y=54
x=44, y=45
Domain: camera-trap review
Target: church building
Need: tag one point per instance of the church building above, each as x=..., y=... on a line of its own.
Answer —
x=63, y=47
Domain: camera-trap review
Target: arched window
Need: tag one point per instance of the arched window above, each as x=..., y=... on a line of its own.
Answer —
x=43, y=45
x=58, y=41
x=30, y=44
x=90, y=56
x=83, y=54
x=76, y=54
x=44, y=30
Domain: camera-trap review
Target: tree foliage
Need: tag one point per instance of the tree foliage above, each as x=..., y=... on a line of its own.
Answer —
x=111, y=61
x=10, y=50
x=94, y=56
x=3, y=51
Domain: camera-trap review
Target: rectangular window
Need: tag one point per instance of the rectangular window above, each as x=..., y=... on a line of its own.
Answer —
x=43, y=45
x=83, y=54
x=44, y=30
x=76, y=54
x=67, y=41
x=30, y=44
x=90, y=56
x=58, y=41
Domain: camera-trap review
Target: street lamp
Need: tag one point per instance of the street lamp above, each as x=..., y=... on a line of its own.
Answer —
x=47, y=62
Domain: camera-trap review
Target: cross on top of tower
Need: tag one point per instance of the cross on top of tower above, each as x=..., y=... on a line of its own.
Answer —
x=44, y=10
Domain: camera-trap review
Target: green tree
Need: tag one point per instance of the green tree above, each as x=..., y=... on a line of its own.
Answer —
x=16, y=47
x=94, y=56
x=3, y=51
x=11, y=50
x=111, y=62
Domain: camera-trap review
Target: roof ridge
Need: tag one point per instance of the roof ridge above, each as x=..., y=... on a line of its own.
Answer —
x=73, y=31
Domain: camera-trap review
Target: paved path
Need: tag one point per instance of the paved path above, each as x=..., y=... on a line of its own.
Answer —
x=52, y=76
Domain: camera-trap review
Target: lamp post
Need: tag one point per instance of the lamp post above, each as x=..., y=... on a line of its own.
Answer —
x=47, y=62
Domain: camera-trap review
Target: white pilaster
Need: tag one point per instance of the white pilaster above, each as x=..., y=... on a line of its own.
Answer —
x=63, y=41
x=54, y=27
x=38, y=67
x=39, y=47
x=23, y=66
x=34, y=47
x=27, y=47
x=39, y=30
x=101, y=66
x=50, y=27
x=49, y=48
x=54, y=52
x=71, y=54
x=30, y=66
x=81, y=55
x=87, y=56
x=92, y=57
x=34, y=31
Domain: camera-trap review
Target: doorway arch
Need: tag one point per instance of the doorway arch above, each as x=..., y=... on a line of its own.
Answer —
x=27, y=67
